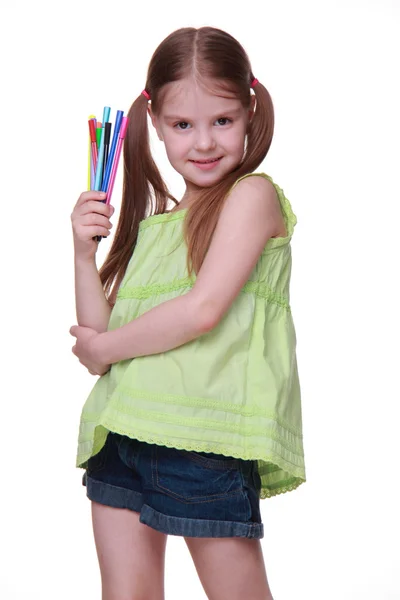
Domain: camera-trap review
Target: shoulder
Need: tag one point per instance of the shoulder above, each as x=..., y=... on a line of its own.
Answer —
x=254, y=181
x=254, y=198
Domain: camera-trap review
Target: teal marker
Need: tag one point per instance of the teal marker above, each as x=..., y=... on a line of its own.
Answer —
x=100, y=158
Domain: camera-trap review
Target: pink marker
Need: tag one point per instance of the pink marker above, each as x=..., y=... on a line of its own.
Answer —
x=122, y=132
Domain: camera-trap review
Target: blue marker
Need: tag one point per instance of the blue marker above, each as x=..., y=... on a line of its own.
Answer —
x=100, y=158
x=107, y=173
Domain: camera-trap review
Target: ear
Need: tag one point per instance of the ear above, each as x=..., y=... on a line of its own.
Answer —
x=154, y=121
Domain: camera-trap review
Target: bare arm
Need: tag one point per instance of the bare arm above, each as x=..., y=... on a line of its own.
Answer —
x=92, y=308
x=162, y=328
x=237, y=243
x=89, y=218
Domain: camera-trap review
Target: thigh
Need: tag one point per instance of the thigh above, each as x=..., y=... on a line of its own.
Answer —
x=131, y=555
x=230, y=568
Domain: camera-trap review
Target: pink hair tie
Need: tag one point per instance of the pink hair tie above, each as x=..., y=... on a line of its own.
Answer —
x=146, y=94
x=254, y=82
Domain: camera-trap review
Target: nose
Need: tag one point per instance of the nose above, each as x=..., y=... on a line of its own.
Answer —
x=204, y=140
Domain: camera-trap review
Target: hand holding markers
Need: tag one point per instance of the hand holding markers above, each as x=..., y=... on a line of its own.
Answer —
x=103, y=159
x=90, y=217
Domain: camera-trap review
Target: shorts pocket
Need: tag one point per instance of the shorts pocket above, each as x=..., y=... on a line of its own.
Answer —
x=194, y=476
x=211, y=460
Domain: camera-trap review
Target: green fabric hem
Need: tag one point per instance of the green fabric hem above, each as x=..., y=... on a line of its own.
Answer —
x=205, y=424
x=250, y=453
x=289, y=487
x=267, y=491
x=198, y=402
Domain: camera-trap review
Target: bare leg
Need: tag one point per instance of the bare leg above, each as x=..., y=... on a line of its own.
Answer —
x=131, y=555
x=230, y=568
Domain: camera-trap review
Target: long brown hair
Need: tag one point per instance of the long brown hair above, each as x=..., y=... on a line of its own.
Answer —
x=208, y=54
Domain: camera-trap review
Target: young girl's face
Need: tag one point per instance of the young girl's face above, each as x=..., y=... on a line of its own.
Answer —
x=198, y=127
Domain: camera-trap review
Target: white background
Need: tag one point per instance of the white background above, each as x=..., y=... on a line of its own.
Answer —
x=332, y=69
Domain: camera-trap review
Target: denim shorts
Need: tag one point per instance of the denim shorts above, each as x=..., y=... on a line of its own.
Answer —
x=177, y=492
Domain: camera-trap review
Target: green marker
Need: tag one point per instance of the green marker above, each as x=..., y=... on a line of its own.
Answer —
x=98, y=136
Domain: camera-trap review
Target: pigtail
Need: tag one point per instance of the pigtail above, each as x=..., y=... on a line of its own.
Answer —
x=143, y=187
x=260, y=130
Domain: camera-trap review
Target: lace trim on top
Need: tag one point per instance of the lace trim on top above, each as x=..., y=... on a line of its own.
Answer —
x=261, y=290
x=161, y=218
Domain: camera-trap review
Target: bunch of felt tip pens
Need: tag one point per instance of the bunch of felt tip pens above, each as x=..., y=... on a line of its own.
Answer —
x=104, y=154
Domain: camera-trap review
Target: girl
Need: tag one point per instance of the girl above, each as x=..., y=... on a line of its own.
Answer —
x=196, y=415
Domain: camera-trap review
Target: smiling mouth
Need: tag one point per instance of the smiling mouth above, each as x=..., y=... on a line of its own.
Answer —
x=205, y=162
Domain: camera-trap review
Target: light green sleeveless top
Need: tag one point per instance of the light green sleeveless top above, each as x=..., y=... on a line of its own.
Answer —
x=233, y=391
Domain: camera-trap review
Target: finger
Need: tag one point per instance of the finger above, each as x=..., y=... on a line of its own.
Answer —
x=94, y=206
x=87, y=232
x=73, y=330
x=92, y=212
x=92, y=218
x=74, y=350
x=90, y=195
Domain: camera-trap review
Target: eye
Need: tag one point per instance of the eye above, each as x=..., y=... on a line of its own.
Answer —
x=223, y=119
x=181, y=123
